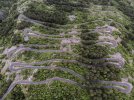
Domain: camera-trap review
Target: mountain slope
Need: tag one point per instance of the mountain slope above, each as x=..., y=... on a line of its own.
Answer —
x=67, y=50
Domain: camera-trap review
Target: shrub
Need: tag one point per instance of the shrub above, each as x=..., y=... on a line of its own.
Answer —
x=57, y=17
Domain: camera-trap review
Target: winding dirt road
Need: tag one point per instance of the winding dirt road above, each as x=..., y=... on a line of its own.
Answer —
x=116, y=59
x=117, y=85
x=47, y=81
x=25, y=66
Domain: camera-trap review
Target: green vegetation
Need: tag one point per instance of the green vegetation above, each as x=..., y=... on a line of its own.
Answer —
x=93, y=54
x=4, y=84
x=36, y=12
x=57, y=91
x=54, y=16
x=16, y=94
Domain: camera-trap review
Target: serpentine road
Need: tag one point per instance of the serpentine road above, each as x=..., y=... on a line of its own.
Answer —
x=46, y=36
x=47, y=81
x=27, y=19
x=118, y=86
x=22, y=49
x=116, y=60
x=49, y=61
x=29, y=32
x=22, y=17
x=11, y=68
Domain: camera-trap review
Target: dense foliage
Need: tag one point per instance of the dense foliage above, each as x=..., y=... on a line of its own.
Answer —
x=54, y=16
x=35, y=12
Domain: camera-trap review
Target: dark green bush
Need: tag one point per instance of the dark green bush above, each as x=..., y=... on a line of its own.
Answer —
x=66, y=2
x=57, y=17
x=22, y=25
x=16, y=39
x=94, y=51
x=16, y=94
x=89, y=36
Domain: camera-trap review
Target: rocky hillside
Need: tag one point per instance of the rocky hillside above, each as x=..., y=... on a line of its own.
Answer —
x=66, y=50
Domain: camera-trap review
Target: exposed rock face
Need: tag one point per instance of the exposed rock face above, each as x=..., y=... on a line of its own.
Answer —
x=106, y=29
x=72, y=17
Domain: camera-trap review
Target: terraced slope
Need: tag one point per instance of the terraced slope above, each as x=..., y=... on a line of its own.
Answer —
x=67, y=50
